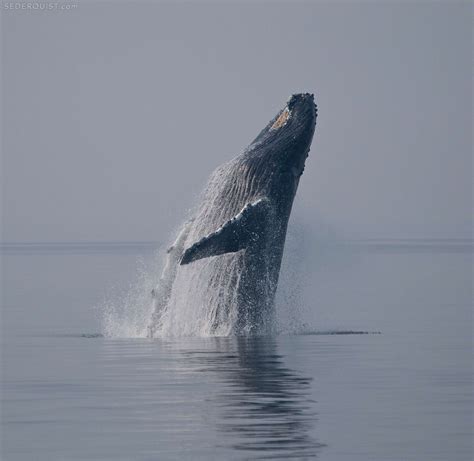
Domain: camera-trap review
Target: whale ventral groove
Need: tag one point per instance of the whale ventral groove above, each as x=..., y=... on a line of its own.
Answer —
x=226, y=259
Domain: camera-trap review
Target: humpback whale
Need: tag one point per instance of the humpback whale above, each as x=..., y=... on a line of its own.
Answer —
x=226, y=258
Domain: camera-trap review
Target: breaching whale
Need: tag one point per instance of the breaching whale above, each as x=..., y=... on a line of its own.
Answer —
x=226, y=259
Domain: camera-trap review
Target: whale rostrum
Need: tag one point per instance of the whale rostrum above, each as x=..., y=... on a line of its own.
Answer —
x=221, y=273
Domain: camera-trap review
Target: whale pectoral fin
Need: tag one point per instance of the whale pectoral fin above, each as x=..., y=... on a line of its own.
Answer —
x=233, y=236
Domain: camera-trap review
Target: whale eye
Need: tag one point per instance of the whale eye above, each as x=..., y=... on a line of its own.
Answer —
x=281, y=120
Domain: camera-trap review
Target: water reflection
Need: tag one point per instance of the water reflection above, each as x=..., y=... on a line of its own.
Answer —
x=264, y=408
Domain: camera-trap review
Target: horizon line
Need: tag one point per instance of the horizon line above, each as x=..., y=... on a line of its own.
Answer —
x=374, y=240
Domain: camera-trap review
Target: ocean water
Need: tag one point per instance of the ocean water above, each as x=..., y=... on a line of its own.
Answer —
x=318, y=390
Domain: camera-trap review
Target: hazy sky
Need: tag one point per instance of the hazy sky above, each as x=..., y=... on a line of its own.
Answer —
x=115, y=113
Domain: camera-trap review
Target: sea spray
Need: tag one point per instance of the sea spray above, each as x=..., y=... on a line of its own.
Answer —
x=291, y=308
x=125, y=312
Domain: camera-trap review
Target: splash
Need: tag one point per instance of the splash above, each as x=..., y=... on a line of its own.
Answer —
x=125, y=313
x=179, y=305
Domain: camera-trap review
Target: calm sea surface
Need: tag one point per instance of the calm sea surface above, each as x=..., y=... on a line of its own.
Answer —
x=402, y=393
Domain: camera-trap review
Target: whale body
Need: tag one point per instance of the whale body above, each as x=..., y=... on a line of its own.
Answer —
x=226, y=258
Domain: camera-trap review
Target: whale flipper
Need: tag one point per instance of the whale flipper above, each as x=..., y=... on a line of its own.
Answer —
x=234, y=235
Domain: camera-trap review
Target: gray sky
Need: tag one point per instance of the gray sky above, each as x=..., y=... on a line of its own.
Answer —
x=115, y=113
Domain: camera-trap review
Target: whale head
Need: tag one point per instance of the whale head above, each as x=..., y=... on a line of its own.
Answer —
x=279, y=152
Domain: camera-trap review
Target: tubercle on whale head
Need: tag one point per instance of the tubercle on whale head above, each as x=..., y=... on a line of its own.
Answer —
x=302, y=112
